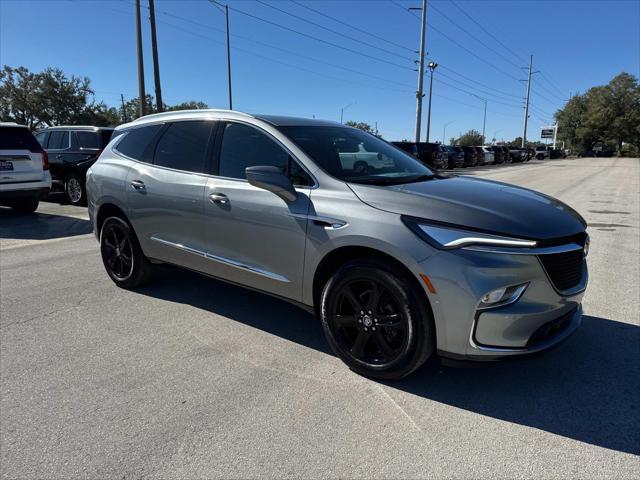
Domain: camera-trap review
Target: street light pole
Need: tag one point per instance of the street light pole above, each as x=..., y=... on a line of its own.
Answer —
x=484, y=122
x=444, y=129
x=432, y=67
x=419, y=93
x=342, y=111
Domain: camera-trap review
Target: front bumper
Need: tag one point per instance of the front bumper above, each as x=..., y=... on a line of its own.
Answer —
x=540, y=319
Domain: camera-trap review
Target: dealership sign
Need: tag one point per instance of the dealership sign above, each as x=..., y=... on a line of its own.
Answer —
x=547, y=132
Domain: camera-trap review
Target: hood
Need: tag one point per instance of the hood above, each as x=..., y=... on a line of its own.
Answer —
x=477, y=204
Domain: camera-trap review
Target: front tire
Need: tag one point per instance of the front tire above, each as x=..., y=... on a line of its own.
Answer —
x=74, y=190
x=376, y=319
x=122, y=256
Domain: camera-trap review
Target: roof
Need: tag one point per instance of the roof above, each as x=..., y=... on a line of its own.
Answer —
x=275, y=120
x=78, y=127
x=11, y=124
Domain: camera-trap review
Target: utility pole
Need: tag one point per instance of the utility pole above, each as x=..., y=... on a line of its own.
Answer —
x=419, y=93
x=226, y=12
x=154, y=49
x=432, y=67
x=124, y=110
x=484, y=122
x=526, y=105
x=555, y=134
x=141, y=93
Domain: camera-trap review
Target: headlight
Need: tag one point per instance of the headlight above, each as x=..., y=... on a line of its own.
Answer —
x=585, y=249
x=448, y=237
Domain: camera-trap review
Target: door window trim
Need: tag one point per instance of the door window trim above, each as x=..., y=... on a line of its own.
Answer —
x=222, y=123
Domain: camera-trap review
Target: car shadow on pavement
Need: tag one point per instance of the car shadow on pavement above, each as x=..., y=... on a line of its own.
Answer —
x=40, y=226
x=587, y=389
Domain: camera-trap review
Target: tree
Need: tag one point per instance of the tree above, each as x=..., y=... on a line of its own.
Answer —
x=365, y=127
x=607, y=115
x=472, y=137
x=132, y=107
x=191, y=105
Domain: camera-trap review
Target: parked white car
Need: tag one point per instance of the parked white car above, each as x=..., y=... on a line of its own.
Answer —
x=489, y=156
x=24, y=169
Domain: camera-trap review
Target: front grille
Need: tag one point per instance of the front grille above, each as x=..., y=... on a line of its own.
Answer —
x=564, y=269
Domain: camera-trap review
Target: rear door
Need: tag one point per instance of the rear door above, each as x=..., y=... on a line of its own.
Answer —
x=21, y=159
x=165, y=190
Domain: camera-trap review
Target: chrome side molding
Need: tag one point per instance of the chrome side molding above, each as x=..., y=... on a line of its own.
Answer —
x=223, y=260
x=327, y=222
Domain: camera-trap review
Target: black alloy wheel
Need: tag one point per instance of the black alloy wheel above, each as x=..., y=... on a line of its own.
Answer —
x=121, y=254
x=376, y=321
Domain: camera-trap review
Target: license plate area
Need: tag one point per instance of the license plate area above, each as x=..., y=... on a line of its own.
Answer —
x=6, y=166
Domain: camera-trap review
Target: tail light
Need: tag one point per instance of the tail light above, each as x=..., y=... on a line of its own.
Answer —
x=45, y=160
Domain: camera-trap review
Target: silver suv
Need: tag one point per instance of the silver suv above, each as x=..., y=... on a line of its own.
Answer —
x=399, y=263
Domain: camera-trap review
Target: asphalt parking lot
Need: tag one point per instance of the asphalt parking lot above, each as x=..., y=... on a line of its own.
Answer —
x=193, y=378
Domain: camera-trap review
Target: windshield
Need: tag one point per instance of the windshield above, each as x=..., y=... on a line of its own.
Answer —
x=355, y=156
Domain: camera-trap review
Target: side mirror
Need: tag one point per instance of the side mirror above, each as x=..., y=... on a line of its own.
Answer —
x=273, y=180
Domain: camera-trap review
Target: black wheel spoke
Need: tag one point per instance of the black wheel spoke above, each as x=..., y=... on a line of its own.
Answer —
x=360, y=344
x=345, y=321
x=353, y=299
x=391, y=321
x=109, y=244
x=382, y=344
x=373, y=297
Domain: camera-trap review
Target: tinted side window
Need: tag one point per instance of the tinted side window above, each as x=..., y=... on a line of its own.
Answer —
x=136, y=141
x=88, y=139
x=58, y=140
x=183, y=146
x=244, y=146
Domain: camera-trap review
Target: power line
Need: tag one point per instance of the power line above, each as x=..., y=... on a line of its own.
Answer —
x=242, y=12
x=353, y=27
x=517, y=56
x=484, y=92
x=552, y=84
x=455, y=42
x=473, y=36
x=354, y=39
x=290, y=52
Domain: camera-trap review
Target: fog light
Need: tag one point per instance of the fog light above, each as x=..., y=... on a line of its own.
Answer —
x=502, y=296
x=494, y=296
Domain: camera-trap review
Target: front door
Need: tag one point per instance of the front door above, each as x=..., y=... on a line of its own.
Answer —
x=254, y=237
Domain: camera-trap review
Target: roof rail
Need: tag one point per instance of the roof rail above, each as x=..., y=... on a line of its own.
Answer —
x=198, y=110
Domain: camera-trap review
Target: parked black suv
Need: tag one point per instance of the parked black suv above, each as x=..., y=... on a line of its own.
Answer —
x=431, y=154
x=72, y=150
x=470, y=156
x=456, y=156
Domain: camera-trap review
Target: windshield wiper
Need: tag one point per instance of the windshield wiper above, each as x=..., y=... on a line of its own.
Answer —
x=392, y=180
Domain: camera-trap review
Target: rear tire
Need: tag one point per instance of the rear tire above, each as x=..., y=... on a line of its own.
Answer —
x=376, y=319
x=26, y=205
x=74, y=190
x=122, y=256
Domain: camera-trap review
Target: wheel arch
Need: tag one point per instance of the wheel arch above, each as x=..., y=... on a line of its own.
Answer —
x=107, y=210
x=337, y=257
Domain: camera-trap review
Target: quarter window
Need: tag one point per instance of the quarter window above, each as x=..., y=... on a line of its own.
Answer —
x=244, y=146
x=58, y=140
x=183, y=146
x=136, y=141
x=42, y=138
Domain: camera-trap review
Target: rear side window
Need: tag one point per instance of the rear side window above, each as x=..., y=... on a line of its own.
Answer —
x=42, y=138
x=136, y=141
x=183, y=146
x=58, y=140
x=87, y=139
x=18, y=138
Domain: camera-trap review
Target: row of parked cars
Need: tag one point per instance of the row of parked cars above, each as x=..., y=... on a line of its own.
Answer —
x=459, y=156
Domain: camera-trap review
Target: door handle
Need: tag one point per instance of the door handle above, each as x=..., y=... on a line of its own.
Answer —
x=58, y=157
x=138, y=185
x=219, y=198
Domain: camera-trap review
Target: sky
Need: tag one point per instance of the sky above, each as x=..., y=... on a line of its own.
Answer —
x=356, y=55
